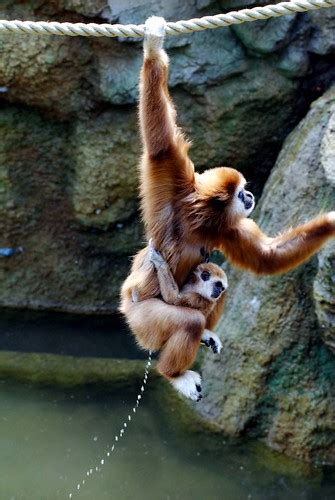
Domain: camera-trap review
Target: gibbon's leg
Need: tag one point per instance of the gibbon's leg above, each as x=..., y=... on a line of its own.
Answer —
x=178, y=354
x=211, y=340
x=246, y=246
x=180, y=350
x=154, y=322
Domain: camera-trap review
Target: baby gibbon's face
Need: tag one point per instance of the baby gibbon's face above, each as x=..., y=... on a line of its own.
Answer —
x=209, y=281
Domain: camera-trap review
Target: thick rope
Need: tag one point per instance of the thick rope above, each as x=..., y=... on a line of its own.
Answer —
x=136, y=31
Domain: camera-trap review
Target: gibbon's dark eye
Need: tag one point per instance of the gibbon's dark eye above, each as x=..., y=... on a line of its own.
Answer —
x=241, y=195
x=205, y=275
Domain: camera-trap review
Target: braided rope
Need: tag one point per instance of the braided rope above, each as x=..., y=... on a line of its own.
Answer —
x=136, y=31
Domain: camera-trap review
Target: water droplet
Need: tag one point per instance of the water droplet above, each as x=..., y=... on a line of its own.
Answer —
x=102, y=461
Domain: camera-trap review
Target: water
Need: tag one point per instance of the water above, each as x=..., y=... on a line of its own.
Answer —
x=51, y=437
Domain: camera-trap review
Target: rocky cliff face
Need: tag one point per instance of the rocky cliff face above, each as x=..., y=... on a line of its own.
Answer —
x=275, y=377
x=70, y=147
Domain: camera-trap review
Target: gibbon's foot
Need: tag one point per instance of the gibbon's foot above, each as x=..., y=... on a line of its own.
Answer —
x=154, y=32
x=188, y=384
x=211, y=340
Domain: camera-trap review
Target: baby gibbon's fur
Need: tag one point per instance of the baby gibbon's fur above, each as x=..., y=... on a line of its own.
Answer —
x=186, y=213
x=197, y=299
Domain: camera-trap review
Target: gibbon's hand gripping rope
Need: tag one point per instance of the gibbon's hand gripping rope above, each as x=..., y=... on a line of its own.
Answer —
x=118, y=436
x=136, y=31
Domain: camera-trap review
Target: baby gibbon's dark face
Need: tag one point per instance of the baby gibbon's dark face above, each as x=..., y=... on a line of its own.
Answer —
x=210, y=281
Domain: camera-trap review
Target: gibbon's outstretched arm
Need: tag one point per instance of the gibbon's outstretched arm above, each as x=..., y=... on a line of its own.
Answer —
x=248, y=247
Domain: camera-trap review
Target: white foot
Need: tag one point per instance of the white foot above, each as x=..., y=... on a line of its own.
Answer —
x=154, y=33
x=211, y=340
x=188, y=384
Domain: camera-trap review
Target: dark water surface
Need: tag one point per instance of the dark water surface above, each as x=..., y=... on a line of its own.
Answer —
x=50, y=438
x=56, y=333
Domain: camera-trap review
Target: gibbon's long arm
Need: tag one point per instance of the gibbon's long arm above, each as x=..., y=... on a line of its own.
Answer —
x=168, y=287
x=248, y=247
x=165, y=150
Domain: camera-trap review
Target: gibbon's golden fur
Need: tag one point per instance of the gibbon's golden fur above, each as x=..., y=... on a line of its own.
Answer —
x=188, y=214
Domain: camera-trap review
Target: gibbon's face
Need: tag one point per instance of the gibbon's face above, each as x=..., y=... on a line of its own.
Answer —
x=210, y=281
x=222, y=191
x=243, y=202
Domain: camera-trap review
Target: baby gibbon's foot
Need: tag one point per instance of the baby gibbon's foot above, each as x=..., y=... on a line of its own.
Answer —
x=188, y=384
x=154, y=32
x=211, y=340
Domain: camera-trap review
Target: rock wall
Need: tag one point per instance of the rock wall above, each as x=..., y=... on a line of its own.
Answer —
x=70, y=147
x=275, y=377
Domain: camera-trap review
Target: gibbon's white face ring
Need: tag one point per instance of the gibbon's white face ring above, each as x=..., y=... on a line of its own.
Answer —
x=243, y=202
x=211, y=286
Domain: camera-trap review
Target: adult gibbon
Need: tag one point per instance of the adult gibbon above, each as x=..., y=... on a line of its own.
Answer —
x=203, y=288
x=189, y=214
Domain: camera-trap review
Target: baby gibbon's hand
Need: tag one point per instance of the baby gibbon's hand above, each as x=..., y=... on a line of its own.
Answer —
x=155, y=256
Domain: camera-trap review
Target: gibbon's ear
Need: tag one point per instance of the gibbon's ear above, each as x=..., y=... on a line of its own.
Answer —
x=218, y=184
x=218, y=203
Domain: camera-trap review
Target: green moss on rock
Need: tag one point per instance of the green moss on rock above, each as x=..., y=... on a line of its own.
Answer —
x=275, y=376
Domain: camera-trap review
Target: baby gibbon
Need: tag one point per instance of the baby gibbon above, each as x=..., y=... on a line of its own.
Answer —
x=188, y=214
x=201, y=291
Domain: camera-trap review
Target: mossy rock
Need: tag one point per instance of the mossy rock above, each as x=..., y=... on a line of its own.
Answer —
x=275, y=376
